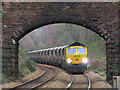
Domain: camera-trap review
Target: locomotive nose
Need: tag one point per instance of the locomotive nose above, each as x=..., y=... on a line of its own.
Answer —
x=76, y=59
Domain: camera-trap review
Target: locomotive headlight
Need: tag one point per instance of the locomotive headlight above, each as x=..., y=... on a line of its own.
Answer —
x=84, y=60
x=69, y=61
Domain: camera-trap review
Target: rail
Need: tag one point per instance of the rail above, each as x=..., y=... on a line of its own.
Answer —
x=40, y=80
x=89, y=82
x=71, y=82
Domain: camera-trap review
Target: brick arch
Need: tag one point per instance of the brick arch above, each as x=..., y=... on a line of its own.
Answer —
x=28, y=27
x=36, y=23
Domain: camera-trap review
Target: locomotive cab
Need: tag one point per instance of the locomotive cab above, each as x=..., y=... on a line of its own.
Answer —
x=76, y=58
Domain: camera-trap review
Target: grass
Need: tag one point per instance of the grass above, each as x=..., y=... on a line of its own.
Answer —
x=100, y=57
x=100, y=71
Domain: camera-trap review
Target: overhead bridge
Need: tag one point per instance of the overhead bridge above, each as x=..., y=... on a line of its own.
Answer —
x=20, y=18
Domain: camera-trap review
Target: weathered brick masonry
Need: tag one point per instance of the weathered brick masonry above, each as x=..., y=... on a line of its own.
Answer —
x=21, y=18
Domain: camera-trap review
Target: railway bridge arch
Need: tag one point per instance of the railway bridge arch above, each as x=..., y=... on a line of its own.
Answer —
x=21, y=18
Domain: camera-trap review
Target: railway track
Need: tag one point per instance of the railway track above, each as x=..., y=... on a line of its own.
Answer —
x=72, y=82
x=89, y=82
x=47, y=75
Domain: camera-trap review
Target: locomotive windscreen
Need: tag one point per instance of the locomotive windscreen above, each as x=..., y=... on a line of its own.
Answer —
x=81, y=51
x=71, y=51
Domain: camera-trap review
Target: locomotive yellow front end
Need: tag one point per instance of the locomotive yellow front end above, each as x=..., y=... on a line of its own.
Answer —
x=76, y=58
x=76, y=55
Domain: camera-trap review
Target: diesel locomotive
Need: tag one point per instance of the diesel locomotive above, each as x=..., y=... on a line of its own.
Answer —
x=72, y=58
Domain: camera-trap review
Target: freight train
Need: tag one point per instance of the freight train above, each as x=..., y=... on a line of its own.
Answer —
x=72, y=57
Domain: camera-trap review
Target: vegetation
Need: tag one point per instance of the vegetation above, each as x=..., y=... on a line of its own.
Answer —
x=103, y=72
x=3, y=13
x=117, y=71
x=5, y=76
x=25, y=64
x=118, y=43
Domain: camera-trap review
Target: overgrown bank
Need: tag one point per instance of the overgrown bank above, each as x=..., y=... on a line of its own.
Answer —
x=25, y=64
